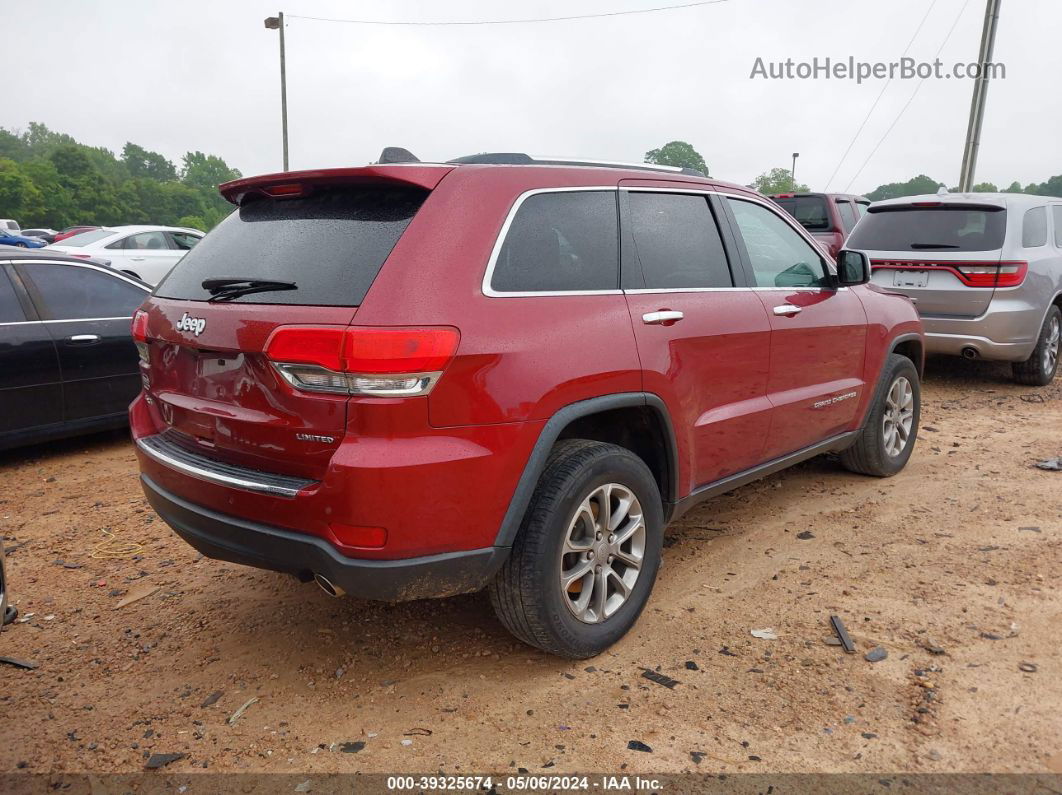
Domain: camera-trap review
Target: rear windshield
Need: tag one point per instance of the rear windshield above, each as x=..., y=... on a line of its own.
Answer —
x=84, y=238
x=945, y=228
x=810, y=211
x=331, y=244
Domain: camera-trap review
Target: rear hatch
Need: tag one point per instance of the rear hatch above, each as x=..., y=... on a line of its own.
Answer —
x=945, y=255
x=302, y=249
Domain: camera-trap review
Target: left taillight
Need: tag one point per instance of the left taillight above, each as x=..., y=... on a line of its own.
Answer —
x=380, y=362
x=139, y=330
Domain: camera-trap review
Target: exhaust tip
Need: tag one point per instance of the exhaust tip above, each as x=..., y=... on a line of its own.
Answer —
x=970, y=353
x=327, y=586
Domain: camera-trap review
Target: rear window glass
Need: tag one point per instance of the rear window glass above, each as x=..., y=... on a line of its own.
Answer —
x=1034, y=228
x=331, y=244
x=810, y=211
x=946, y=228
x=677, y=241
x=84, y=238
x=560, y=242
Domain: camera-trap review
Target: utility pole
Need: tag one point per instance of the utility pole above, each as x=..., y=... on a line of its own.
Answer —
x=792, y=171
x=277, y=23
x=980, y=94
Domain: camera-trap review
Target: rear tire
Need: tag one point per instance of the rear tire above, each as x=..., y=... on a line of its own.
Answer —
x=887, y=439
x=1040, y=368
x=595, y=513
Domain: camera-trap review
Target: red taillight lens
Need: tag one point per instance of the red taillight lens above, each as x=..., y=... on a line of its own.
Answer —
x=139, y=326
x=386, y=362
x=1005, y=274
x=289, y=190
x=82, y=256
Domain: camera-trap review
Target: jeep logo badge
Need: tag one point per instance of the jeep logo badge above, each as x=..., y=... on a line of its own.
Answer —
x=192, y=324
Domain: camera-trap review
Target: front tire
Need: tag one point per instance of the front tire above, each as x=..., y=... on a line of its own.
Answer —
x=587, y=553
x=886, y=442
x=1040, y=368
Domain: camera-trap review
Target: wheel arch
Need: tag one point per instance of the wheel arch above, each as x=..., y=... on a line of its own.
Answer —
x=913, y=347
x=638, y=421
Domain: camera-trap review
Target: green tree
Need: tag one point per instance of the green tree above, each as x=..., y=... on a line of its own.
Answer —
x=679, y=154
x=206, y=171
x=778, y=180
x=985, y=187
x=19, y=196
x=1015, y=187
x=140, y=162
x=913, y=187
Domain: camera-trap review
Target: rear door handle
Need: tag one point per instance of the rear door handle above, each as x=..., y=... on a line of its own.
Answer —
x=663, y=316
x=787, y=309
x=83, y=339
x=138, y=259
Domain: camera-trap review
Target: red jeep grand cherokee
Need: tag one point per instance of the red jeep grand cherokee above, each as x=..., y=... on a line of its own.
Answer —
x=417, y=380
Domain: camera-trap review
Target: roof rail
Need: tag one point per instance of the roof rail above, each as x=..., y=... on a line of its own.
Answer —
x=522, y=159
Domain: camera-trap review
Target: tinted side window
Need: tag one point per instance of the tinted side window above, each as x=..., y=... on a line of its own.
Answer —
x=183, y=241
x=677, y=241
x=810, y=211
x=848, y=214
x=1034, y=228
x=10, y=309
x=779, y=256
x=1056, y=211
x=559, y=242
x=147, y=240
x=71, y=293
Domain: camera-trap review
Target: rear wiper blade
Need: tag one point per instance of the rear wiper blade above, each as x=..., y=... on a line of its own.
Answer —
x=921, y=246
x=227, y=288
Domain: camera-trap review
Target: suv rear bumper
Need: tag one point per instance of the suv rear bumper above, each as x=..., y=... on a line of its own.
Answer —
x=1007, y=331
x=236, y=540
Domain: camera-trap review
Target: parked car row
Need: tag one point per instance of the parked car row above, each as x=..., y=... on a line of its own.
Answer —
x=143, y=252
x=984, y=269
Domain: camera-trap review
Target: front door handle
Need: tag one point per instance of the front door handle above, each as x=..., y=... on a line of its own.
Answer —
x=83, y=339
x=661, y=317
x=787, y=310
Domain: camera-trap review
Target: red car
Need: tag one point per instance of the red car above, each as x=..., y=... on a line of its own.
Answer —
x=829, y=217
x=70, y=231
x=417, y=380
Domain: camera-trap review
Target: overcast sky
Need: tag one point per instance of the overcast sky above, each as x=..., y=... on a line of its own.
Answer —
x=174, y=77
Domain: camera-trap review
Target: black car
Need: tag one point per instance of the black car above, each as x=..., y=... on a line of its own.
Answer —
x=68, y=364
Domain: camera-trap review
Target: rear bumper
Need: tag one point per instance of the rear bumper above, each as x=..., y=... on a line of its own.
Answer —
x=1007, y=331
x=236, y=540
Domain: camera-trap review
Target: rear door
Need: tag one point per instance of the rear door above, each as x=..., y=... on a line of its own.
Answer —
x=703, y=337
x=31, y=389
x=207, y=373
x=147, y=255
x=943, y=255
x=818, y=332
x=87, y=310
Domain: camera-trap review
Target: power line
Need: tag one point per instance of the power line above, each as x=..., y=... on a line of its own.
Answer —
x=878, y=100
x=903, y=110
x=468, y=22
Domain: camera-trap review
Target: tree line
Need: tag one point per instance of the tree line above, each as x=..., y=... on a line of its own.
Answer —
x=48, y=179
x=780, y=180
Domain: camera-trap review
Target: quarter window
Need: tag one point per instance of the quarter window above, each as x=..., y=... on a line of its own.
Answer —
x=1034, y=228
x=1056, y=211
x=848, y=214
x=779, y=256
x=183, y=241
x=70, y=292
x=677, y=241
x=560, y=242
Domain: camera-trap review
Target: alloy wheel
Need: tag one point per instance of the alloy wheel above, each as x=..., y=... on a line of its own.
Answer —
x=898, y=419
x=1051, y=348
x=602, y=553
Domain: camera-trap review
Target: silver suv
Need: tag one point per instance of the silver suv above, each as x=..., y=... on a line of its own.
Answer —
x=984, y=270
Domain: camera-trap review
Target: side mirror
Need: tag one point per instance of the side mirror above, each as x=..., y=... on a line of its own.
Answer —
x=853, y=267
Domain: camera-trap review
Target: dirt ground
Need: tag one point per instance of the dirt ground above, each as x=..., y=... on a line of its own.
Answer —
x=952, y=567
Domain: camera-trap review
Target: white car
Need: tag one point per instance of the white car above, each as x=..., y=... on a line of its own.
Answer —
x=146, y=252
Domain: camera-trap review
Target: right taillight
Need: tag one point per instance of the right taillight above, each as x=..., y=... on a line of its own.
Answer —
x=139, y=330
x=381, y=362
x=1005, y=274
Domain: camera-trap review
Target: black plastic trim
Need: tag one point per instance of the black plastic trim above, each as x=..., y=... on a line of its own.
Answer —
x=536, y=462
x=834, y=444
x=237, y=540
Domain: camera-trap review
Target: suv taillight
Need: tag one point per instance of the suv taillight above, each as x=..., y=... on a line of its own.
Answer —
x=139, y=330
x=1005, y=274
x=382, y=362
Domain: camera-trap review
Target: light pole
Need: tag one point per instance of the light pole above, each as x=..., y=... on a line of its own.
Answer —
x=980, y=95
x=792, y=173
x=277, y=23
